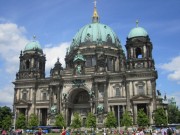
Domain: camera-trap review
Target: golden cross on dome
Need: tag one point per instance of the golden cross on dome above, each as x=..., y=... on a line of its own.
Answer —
x=95, y=2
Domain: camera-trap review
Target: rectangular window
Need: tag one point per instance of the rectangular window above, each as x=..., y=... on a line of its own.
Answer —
x=93, y=61
x=141, y=89
x=88, y=62
x=101, y=90
x=44, y=97
x=24, y=96
x=110, y=64
x=117, y=92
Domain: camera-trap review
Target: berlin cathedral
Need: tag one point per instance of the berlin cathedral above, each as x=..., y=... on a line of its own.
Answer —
x=98, y=77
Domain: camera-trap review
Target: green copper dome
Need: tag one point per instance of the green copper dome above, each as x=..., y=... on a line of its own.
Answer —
x=137, y=32
x=97, y=34
x=33, y=46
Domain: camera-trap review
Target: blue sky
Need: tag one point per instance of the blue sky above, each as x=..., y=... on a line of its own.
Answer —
x=55, y=22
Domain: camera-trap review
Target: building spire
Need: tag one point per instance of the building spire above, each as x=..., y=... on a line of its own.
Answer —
x=95, y=17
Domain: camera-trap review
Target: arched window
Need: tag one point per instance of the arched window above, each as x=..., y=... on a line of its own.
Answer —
x=27, y=64
x=138, y=52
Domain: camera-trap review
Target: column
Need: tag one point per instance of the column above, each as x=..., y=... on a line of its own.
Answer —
x=49, y=93
x=58, y=99
x=153, y=93
x=150, y=113
x=109, y=108
x=38, y=115
x=127, y=96
x=135, y=114
x=147, y=89
x=133, y=88
x=15, y=95
x=96, y=99
x=105, y=98
x=26, y=115
x=123, y=108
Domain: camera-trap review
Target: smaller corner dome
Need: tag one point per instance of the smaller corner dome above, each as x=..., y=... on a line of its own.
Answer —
x=33, y=46
x=137, y=32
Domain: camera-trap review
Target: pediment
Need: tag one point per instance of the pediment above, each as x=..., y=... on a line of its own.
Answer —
x=22, y=102
x=140, y=97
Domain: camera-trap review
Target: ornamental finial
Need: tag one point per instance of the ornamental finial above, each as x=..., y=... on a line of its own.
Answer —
x=34, y=37
x=95, y=17
x=137, y=23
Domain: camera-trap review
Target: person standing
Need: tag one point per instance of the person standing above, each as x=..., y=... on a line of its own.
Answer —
x=63, y=132
x=39, y=131
x=4, y=132
x=169, y=131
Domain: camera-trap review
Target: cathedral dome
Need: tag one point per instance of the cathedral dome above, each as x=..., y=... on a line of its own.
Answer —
x=33, y=46
x=137, y=32
x=96, y=33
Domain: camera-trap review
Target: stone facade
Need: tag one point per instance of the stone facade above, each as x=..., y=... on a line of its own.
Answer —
x=97, y=77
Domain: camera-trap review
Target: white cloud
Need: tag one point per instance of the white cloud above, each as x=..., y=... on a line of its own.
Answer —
x=173, y=68
x=6, y=96
x=12, y=40
x=58, y=51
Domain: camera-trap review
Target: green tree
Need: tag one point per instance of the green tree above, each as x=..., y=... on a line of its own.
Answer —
x=126, y=120
x=173, y=114
x=59, y=121
x=110, y=120
x=160, y=117
x=91, y=120
x=76, y=122
x=6, y=123
x=5, y=113
x=142, y=118
x=21, y=121
x=33, y=120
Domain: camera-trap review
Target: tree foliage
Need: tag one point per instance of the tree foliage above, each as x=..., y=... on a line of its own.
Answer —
x=5, y=117
x=160, y=117
x=76, y=122
x=126, y=120
x=142, y=118
x=173, y=114
x=33, y=120
x=91, y=120
x=21, y=121
x=59, y=121
x=111, y=120
x=6, y=123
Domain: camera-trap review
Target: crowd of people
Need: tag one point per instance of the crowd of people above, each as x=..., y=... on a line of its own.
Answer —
x=139, y=131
